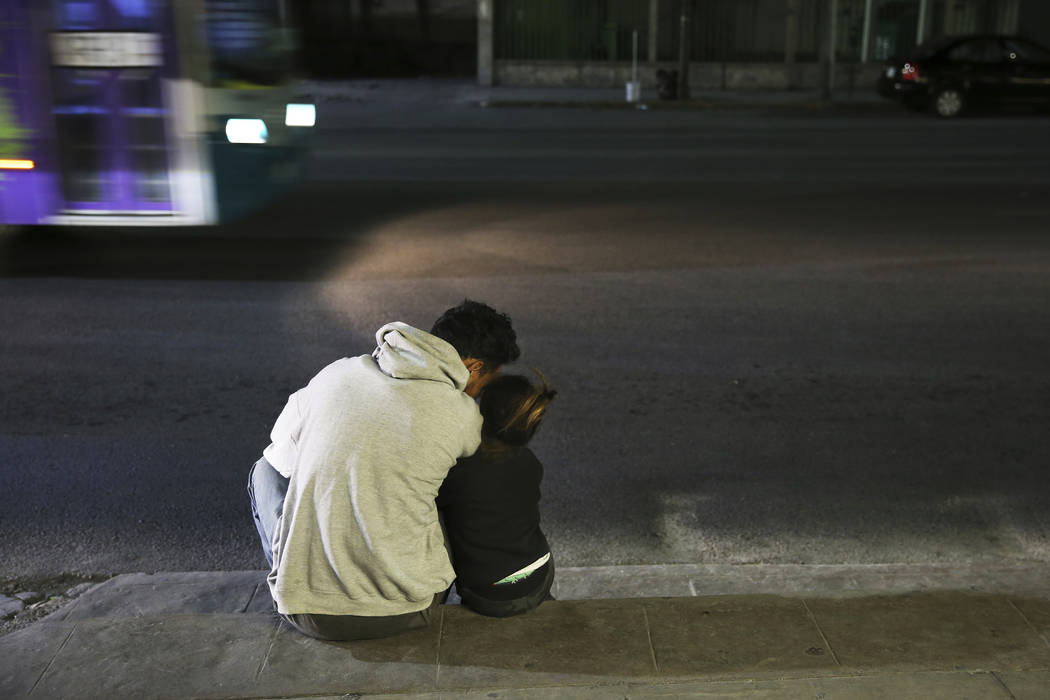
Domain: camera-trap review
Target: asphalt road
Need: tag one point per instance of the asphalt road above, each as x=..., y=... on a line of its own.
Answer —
x=777, y=337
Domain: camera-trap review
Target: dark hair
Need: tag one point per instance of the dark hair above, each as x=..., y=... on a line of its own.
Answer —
x=512, y=408
x=479, y=331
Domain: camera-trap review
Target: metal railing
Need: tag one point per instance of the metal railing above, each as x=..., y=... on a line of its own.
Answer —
x=732, y=30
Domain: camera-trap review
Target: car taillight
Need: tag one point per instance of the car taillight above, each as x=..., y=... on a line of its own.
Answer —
x=910, y=71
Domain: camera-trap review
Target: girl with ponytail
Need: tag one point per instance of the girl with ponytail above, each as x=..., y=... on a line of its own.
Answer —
x=490, y=504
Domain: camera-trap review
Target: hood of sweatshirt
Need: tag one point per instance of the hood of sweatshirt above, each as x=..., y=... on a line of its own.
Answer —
x=405, y=352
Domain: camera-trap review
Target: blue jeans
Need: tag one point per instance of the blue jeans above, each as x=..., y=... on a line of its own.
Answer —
x=266, y=490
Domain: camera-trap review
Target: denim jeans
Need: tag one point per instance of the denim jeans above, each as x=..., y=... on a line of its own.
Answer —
x=266, y=490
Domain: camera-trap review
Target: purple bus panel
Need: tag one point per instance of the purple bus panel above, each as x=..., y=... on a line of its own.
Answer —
x=28, y=195
x=108, y=60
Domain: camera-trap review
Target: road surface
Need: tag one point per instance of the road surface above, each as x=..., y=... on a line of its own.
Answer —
x=777, y=337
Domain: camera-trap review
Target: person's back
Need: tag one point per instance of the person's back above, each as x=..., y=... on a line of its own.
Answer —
x=490, y=504
x=366, y=473
x=344, y=494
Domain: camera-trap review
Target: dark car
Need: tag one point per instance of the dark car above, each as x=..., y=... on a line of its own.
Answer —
x=954, y=73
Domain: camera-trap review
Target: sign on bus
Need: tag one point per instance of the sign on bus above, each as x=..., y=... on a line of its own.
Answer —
x=106, y=49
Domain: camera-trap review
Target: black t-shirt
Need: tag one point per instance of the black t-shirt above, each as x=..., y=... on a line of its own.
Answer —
x=490, y=502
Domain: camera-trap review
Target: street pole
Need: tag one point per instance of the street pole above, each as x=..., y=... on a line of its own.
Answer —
x=827, y=32
x=684, y=34
x=654, y=24
x=831, y=39
x=791, y=42
x=865, y=40
x=833, y=31
x=920, y=34
x=485, y=57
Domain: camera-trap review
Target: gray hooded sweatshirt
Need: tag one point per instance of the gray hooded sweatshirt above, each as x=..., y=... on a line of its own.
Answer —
x=366, y=445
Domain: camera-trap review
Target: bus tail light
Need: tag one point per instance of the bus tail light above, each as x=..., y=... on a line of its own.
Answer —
x=910, y=71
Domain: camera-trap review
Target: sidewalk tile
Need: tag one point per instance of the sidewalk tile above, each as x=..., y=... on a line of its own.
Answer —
x=167, y=594
x=25, y=654
x=902, y=686
x=297, y=664
x=261, y=601
x=714, y=690
x=1037, y=613
x=924, y=685
x=734, y=634
x=1027, y=685
x=435, y=695
x=559, y=641
x=930, y=631
x=160, y=657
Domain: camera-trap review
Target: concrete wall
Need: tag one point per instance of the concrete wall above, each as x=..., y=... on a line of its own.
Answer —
x=702, y=76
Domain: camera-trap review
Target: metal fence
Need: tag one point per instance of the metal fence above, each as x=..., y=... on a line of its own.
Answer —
x=729, y=30
x=596, y=30
x=576, y=30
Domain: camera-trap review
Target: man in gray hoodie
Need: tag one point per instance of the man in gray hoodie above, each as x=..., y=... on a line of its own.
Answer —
x=343, y=497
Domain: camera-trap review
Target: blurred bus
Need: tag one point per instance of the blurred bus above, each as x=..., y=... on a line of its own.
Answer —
x=146, y=112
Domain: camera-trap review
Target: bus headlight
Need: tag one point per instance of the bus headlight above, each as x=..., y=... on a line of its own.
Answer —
x=300, y=115
x=246, y=131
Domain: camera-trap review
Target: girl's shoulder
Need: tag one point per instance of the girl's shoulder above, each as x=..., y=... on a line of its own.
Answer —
x=496, y=459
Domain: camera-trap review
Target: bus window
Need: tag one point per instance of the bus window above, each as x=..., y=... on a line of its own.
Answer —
x=116, y=15
x=108, y=65
x=248, y=45
x=75, y=15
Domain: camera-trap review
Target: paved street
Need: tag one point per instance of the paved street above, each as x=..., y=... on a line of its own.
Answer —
x=778, y=338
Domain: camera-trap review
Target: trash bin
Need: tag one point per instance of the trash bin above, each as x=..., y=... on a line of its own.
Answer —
x=667, y=84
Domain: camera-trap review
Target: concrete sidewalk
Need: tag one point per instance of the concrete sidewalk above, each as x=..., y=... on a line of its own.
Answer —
x=439, y=105
x=436, y=93
x=863, y=97
x=932, y=632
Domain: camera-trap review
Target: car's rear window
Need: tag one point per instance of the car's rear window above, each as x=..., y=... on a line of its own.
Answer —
x=929, y=48
x=984, y=50
x=1026, y=51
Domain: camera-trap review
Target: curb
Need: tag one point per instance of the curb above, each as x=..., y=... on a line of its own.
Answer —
x=695, y=105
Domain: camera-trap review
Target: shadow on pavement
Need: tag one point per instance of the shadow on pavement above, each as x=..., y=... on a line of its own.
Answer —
x=675, y=637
